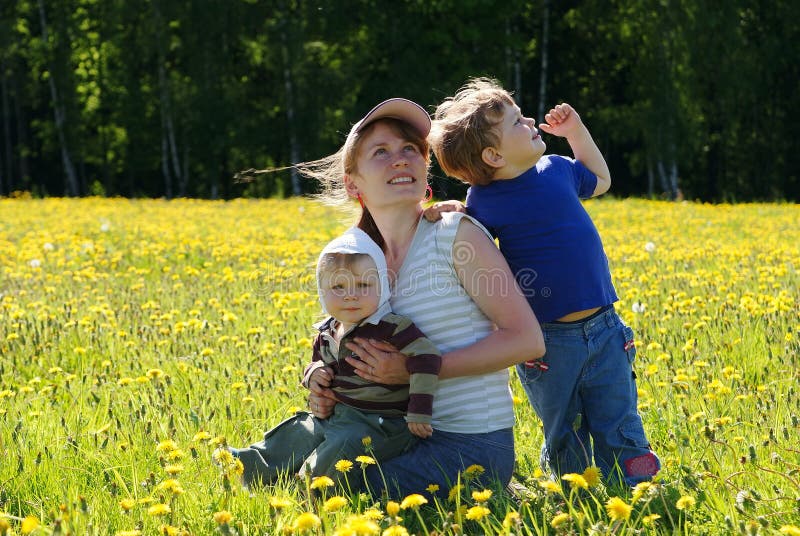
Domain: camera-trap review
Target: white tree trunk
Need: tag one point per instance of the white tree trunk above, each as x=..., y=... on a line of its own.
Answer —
x=294, y=148
x=169, y=150
x=59, y=115
x=544, y=65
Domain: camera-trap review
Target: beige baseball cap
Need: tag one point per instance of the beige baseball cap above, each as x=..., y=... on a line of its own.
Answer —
x=397, y=108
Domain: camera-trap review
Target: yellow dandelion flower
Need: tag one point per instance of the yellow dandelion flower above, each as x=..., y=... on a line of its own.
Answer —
x=392, y=508
x=173, y=469
x=134, y=532
x=321, y=482
x=201, y=436
x=306, y=521
x=279, y=503
x=476, y=513
x=170, y=484
x=365, y=460
x=29, y=524
x=455, y=491
x=592, y=476
x=791, y=530
x=127, y=504
x=361, y=526
x=169, y=530
x=237, y=467
x=167, y=445
x=576, y=481
x=395, y=530
x=343, y=466
x=5, y=526
x=366, y=441
x=474, y=470
x=222, y=517
x=222, y=457
x=373, y=513
x=159, y=510
x=550, y=486
x=154, y=373
x=432, y=488
x=335, y=503
x=559, y=519
x=686, y=502
x=640, y=489
x=176, y=454
x=649, y=519
x=413, y=501
x=618, y=509
x=512, y=519
x=482, y=496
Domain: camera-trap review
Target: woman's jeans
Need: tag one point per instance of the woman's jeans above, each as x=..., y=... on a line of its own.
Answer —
x=439, y=460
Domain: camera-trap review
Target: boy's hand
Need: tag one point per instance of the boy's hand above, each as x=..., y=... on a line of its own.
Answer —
x=321, y=398
x=562, y=120
x=420, y=429
x=434, y=212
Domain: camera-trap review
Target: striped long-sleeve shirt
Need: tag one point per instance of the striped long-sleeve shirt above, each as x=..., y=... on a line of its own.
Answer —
x=415, y=400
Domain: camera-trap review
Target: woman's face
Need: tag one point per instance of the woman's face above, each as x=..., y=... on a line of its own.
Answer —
x=389, y=169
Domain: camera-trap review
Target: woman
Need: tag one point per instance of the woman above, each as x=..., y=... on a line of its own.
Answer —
x=452, y=281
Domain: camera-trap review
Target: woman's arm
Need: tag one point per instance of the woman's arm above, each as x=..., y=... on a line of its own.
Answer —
x=486, y=277
x=488, y=280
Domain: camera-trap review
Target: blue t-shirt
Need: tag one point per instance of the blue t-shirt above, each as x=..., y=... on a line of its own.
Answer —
x=547, y=237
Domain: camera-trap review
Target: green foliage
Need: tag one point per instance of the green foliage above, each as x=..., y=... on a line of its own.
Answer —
x=172, y=97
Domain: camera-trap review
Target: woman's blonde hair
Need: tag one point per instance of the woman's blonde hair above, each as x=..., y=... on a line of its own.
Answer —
x=329, y=171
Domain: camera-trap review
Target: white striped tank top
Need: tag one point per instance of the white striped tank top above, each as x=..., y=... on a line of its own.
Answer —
x=428, y=291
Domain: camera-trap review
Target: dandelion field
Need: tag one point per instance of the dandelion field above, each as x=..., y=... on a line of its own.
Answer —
x=138, y=335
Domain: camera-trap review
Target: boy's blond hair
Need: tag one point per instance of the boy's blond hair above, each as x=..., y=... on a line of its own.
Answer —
x=464, y=125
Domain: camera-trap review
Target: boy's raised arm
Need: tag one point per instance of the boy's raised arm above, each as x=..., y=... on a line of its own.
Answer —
x=562, y=120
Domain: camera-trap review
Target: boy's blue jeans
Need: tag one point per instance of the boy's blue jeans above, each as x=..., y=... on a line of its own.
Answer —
x=584, y=390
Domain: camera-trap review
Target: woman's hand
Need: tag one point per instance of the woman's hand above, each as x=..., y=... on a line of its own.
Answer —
x=379, y=362
x=321, y=399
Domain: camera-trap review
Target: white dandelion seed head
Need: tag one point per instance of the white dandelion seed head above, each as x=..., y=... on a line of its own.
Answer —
x=35, y=263
x=48, y=246
x=105, y=227
x=649, y=247
x=638, y=307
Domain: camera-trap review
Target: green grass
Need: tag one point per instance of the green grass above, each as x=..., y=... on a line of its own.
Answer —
x=124, y=324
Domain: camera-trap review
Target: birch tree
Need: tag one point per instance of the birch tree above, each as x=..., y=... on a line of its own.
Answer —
x=71, y=179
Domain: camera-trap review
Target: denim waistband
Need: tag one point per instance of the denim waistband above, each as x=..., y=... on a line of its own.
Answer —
x=606, y=316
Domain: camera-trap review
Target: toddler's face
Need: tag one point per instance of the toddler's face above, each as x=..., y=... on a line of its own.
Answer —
x=351, y=294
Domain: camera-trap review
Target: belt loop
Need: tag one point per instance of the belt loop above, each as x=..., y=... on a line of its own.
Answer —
x=610, y=317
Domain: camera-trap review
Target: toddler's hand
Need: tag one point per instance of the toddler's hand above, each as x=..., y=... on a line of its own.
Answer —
x=561, y=121
x=420, y=429
x=434, y=212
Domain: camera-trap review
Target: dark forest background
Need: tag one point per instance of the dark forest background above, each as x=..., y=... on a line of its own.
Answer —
x=166, y=98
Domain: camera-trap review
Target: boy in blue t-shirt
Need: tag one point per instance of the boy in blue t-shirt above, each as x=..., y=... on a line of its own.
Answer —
x=584, y=388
